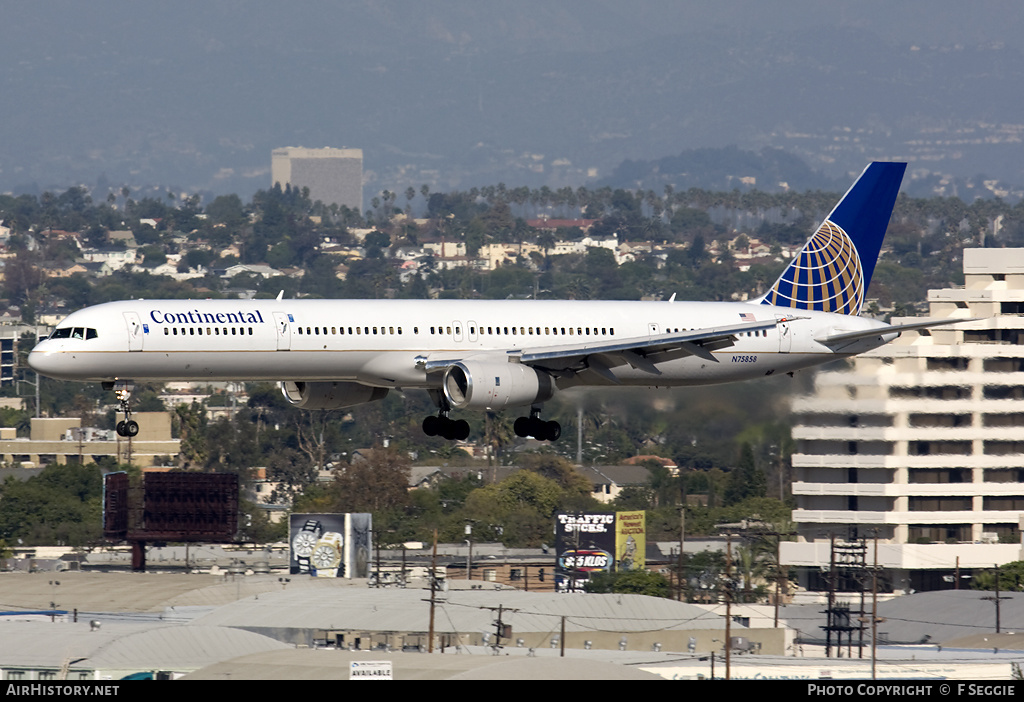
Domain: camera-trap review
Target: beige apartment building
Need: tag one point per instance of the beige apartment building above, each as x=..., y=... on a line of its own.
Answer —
x=920, y=443
x=333, y=176
x=59, y=440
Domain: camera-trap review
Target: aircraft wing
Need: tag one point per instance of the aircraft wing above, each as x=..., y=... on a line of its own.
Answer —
x=641, y=352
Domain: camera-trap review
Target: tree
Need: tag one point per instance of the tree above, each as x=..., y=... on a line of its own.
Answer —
x=1011, y=578
x=560, y=470
x=190, y=421
x=376, y=484
x=518, y=510
x=63, y=505
x=746, y=479
x=633, y=582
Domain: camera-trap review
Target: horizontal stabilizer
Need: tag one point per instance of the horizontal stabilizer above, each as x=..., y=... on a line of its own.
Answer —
x=844, y=337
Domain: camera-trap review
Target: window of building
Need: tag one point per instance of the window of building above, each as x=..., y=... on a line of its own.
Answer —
x=940, y=504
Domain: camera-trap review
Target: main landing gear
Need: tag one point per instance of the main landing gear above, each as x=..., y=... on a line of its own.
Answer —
x=458, y=430
x=536, y=427
x=443, y=426
x=123, y=391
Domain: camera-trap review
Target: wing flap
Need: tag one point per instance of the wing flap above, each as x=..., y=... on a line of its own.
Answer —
x=641, y=352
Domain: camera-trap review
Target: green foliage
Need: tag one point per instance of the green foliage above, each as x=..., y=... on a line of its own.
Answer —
x=1011, y=578
x=633, y=582
x=703, y=520
x=61, y=505
x=745, y=480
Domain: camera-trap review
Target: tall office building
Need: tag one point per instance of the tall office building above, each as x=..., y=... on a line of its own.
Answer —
x=333, y=176
x=921, y=442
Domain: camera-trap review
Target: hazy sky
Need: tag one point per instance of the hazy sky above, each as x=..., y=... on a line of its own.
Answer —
x=195, y=94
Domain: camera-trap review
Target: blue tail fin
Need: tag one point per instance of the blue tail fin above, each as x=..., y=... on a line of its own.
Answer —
x=834, y=268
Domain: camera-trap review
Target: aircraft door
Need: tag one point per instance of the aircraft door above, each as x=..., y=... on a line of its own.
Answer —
x=283, y=320
x=471, y=330
x=457, y=330
x=785, y=335
x=653, y=329
x=136, y=331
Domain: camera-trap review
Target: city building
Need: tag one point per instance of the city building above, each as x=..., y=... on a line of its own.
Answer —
x=333, y=176
x=59, y=440
x=919, y=444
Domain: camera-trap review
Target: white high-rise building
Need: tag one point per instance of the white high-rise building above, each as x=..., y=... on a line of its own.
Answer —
x=333, y=176
x=921, y=442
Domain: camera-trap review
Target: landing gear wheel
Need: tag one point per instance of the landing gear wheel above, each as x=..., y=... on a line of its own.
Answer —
x=534, y=426
x=444, y=427
x=522, y=427
x=432, y=425
x=123, y=391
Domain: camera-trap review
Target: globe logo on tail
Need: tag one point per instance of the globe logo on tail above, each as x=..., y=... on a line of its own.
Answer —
x=826, y=276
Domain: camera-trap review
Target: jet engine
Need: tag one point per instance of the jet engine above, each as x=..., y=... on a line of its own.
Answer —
x=329, y=395
x=495, y=386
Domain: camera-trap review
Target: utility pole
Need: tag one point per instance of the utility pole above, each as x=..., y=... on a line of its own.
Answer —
x=996, y=599
x=561, y=638
x=433, y=590
x=849, y=557
x=680, y=575
x=728, y=606
x=874, y=612
x=469, y=557
x=499, y=628
x=831, y=593
x=579, y=435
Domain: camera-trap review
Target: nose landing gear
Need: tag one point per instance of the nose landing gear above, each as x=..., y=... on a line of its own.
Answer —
x=123, y=391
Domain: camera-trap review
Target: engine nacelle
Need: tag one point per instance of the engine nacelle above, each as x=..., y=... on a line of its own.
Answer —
x=495, y=386
x=329, y=395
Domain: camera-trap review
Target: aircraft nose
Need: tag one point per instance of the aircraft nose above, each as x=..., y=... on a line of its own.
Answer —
x=46, y=363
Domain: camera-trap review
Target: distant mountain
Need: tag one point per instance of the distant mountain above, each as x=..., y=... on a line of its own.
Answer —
x=770, y=170
x=773, y=170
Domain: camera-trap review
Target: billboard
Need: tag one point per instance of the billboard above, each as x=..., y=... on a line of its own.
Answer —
x=584, y=543
x=630, y=540
x=330, y=545
x=592, y=542
x=176, y=506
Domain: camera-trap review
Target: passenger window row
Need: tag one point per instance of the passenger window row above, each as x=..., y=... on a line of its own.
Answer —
x=448, y=330
x=210, y=331
x=357, y=331
x=530, y=331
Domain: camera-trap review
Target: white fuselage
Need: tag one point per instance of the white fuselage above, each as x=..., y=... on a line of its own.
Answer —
x=385, y=343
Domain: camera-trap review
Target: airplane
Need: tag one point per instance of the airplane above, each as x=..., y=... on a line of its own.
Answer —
x=489, y=355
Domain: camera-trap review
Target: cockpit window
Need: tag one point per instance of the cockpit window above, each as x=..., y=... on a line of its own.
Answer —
x=74, y=333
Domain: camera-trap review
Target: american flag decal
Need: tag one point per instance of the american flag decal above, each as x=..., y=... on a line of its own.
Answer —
x=747, y=317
